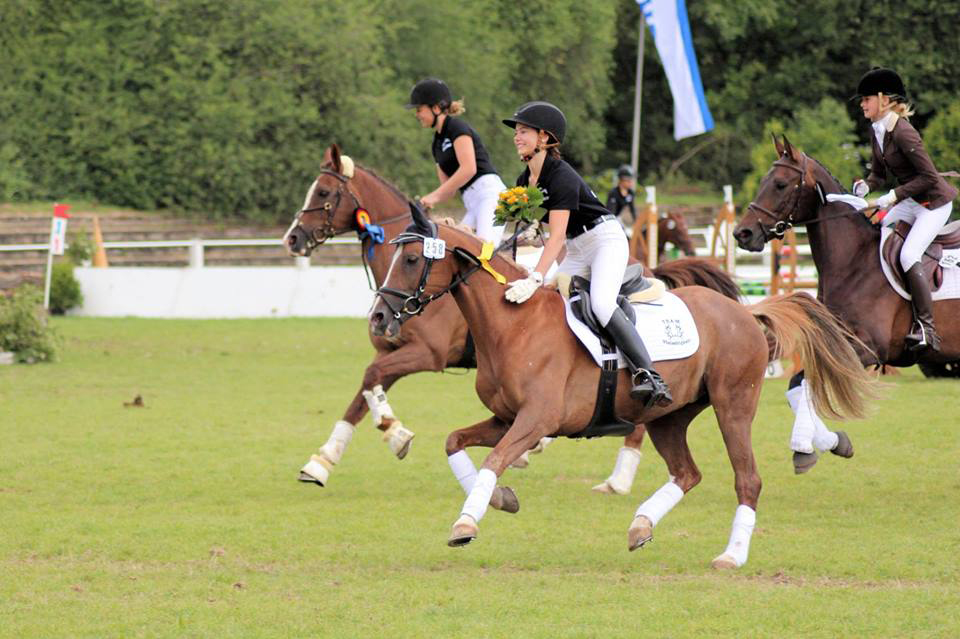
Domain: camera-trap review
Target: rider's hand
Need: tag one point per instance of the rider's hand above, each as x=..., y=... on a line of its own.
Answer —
x=885, y=201
x=860, y=188
x=429, y=201
x=519, y=291
x=529, y=234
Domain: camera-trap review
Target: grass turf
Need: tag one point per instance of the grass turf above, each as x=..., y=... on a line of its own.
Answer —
x=183, y=518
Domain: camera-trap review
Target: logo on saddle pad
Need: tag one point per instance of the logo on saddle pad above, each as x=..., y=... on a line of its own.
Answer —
x=673, y=332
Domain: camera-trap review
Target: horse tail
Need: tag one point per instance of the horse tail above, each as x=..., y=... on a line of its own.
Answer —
x=696, y=271
x=798, y=323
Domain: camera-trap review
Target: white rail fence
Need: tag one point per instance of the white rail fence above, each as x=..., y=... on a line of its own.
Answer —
x=298, y=290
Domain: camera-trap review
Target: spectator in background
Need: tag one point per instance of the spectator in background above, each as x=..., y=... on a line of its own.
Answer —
x=622, y=195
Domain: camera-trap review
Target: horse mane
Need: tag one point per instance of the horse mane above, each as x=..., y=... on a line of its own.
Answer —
x=451, y=224
x=393, y=189
x=697, y=271
x=843, y=190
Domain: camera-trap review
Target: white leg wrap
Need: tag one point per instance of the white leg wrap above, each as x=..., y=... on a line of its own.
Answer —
x=801, y=439
x=479, y=497
x=463, y=469
x=544, y=441
x=743, y=522
x=377, y=402
x=624, y=470
x=660, y=503
x=339, y=438
x=823, y=437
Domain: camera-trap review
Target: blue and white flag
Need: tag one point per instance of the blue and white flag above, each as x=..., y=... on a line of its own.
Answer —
x=671, y=33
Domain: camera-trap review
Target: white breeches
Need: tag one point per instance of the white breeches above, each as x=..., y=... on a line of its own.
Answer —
x=480, y=200
x=926, y=225
x=600, y=254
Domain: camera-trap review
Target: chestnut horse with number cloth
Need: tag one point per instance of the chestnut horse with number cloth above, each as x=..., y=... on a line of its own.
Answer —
x=348, y=198
x=537, y=379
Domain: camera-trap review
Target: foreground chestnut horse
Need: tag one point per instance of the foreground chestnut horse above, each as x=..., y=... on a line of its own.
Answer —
x=845, y=247
x=538, y=380
x=348, y=198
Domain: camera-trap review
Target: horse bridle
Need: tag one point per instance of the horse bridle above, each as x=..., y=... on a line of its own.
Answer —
x=781, y=226
x=325, y=230
x=412, y=304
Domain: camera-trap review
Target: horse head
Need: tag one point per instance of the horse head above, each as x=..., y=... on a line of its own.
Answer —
x=788, y=194
x=430, y=261
x=330, y=208
x=673, y=228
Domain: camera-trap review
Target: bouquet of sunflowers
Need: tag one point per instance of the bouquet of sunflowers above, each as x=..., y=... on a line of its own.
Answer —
x=519, y=204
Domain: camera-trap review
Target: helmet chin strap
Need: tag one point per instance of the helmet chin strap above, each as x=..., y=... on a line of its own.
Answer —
x=540, y=147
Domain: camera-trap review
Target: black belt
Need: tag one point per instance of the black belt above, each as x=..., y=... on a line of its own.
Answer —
x=580, y=229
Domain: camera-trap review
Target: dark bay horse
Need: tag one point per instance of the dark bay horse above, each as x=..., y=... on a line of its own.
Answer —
x=845, y=248
x=537, y=380
x=366, y=204
x=671, y=227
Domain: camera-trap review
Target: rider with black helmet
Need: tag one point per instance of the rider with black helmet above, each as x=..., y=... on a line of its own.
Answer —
x=462, y=161
x=623, y=194
x=922, y=197
x=595, y=242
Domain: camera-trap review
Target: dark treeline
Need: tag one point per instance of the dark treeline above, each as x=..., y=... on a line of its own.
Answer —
x=226, y=107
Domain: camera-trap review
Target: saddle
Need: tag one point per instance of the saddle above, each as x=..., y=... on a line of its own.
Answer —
x=604, y=421
x=949, y=238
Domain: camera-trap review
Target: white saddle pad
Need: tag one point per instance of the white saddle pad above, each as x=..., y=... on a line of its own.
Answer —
x=666, y=326
x=950, y=289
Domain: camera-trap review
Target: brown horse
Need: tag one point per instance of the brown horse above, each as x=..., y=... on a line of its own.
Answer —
x=845, y=248
x=363, y=203
x=671, y=227
x=538, y=380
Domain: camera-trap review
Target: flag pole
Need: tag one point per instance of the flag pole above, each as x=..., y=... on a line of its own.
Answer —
x=638, y=95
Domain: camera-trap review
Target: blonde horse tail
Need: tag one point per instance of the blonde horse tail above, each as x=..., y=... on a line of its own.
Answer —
x=797, y=323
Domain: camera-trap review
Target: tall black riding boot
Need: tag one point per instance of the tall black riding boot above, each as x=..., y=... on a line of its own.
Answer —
x=923, y=335
x=648, y=386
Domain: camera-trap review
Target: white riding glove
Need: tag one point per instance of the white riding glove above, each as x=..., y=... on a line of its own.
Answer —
x=860, y=188
x=519, y=291
x=885, y=201
x=529, y=234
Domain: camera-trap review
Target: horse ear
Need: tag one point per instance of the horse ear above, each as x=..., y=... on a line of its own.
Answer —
x=791, y=151
x=420, y=220
x=331, y=158
x=777, y=143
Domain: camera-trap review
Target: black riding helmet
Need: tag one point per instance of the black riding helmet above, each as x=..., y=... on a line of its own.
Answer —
x=625, y=171
x=885, y=81
x=542, y=116
x=430, y=92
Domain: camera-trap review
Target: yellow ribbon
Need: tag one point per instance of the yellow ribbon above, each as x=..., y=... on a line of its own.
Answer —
x=486, y=252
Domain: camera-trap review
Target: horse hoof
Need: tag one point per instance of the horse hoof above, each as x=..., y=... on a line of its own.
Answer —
x=521, y=462
x=316, y=471
x=398, y=439
x=608, y=488
x=802, y=462
x=639, y=533
x=724, y=562
x=464, y=531
x=505, y=499
x=844, y=447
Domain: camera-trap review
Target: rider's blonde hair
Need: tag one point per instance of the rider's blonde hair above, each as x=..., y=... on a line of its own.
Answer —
x=456, y=108
x=903, y=109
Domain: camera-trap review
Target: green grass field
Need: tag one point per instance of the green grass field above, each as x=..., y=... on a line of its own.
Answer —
x=184, y=519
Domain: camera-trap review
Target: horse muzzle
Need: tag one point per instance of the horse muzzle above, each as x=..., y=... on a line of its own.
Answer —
x=298, y=242
x=750, y=239
x=384, y=324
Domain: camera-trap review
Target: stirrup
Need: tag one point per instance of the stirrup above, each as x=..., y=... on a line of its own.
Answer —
x=650, y=388
x=921, y=338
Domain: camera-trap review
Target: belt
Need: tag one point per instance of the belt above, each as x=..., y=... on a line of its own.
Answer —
x=580, y=229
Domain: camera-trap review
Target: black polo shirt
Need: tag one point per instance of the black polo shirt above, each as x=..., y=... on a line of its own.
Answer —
x=446, y=157
x=616, y=201
x=564, y=189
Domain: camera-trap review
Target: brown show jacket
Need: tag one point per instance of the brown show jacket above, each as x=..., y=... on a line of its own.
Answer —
x=904, y=157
